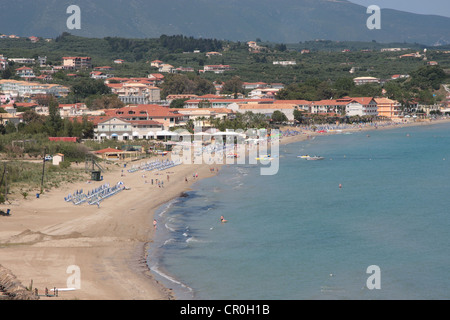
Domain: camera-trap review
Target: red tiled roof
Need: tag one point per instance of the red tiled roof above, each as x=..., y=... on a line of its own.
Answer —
x=24, y=68
x=26, y=104
x=150, y=109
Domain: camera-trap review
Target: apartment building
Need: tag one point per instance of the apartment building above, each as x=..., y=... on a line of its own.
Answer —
x=77, y=62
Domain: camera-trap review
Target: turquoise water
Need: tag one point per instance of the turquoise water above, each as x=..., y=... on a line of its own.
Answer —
x=297, y=235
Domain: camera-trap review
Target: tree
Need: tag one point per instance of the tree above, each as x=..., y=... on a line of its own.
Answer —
x=178, y=103
x=279, y=117
x=426, y=97
x=86, y=87
x=298, y=116
x=343, y=87
x=234, y=86
x=429, y=77
x=109, y=101
x=183, y=84
x=53, y=122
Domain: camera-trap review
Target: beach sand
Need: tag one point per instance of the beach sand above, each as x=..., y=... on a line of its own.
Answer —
x=44, y=236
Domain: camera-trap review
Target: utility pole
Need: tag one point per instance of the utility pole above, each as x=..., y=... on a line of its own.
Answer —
x=6, y=184
x=43, y=170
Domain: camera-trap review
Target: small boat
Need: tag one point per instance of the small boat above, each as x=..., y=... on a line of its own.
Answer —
x=315, y=158
x=264, y=159
x=303, y=157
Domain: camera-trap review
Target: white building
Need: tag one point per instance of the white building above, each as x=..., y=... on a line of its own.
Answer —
x=22, y=60
x=167, y=68
x=365, y=80
x=362, y=107
x=220, y=68
x=285, y=63
x=120, y=129
x=27, y=89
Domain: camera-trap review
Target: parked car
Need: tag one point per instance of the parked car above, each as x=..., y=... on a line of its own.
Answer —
x=48, y=158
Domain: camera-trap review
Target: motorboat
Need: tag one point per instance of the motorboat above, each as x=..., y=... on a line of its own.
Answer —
x=315, y=158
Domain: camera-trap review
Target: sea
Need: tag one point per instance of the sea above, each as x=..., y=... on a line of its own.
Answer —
x=371, y=221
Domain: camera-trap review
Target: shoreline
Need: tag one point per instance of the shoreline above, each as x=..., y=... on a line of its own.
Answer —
x=44, y=236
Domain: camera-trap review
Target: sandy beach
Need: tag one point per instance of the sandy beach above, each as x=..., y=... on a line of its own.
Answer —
x=46, y=235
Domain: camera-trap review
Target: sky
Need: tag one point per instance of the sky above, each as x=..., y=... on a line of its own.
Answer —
x=438, y=7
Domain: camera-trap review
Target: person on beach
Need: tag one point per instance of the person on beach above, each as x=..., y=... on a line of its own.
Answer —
x=154, y=223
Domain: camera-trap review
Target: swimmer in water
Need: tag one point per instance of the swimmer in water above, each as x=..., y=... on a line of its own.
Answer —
x=222, y=219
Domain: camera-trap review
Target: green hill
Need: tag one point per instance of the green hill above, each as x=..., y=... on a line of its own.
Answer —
x=287, y=21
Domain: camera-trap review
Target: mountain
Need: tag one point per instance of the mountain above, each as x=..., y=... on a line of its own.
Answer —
x=282, y=21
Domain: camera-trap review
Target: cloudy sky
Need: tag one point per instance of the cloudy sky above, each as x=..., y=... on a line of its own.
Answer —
x=438, y=7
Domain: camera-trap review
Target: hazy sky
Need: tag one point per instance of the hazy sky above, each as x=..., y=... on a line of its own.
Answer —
x=439, y=7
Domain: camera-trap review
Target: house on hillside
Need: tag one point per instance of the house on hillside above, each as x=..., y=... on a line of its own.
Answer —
x=100, y=75
x=212, y=54
x=136, y=92
x=25, y=72
x=77, y=63
x=167, y=68
x=217, y=68
x=285, y=63
x=45, y=77
x=365, y=80
x=156, y=63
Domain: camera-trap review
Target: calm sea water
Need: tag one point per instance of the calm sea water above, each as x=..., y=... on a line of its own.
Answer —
x=297, y=235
